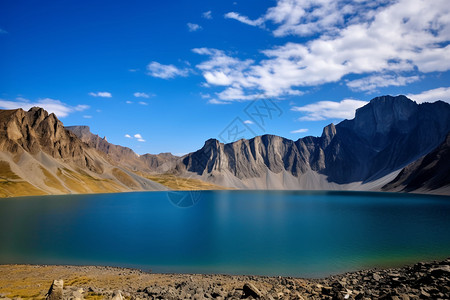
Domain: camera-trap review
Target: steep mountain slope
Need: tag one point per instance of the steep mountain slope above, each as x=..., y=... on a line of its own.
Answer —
x=385, y=135
x=431, y=172
x=392, y=143
x=39, y=156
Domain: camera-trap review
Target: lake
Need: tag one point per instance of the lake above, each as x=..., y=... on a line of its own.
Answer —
x=293, y=233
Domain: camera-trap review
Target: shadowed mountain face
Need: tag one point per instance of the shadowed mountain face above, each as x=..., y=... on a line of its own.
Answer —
x=385, y=135
x=39, y=155
x=427, y=173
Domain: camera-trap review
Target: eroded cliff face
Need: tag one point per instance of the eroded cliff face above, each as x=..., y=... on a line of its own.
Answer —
x=39, y=156
x=365, y=153
x=36, y=130
x=386, y=134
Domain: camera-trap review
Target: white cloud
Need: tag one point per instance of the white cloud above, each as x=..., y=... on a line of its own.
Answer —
x=128, y=136
x=248, y=122
x=156, y=69
x=323, y=110
x=101, y=94
x=87, y=116
x=302, y=130
x=244, y=19
x=143, y=103
x=207, y=15
x=205, y=96
x=133, y=70
x=442, y=93
x=81, y=107
x=371, y=38
x=215, y=101
x=60, y=109
x=142, y=95
x=371, y=83
x=193, y=27
x=128, y=102
x=308, y=17
x=139, y=137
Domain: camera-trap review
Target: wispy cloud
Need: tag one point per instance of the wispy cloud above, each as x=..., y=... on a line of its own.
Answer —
x=302, y=130
x=2, y=31
x=143, y=103
x=101, y=94
x=205, y=96
x=87, y=117
x=128, y=136
x=207, y=15
x=248, y=122
x=371, y=83
x=442, y=93
x=156, y=69
x=215, y=101
x=323, y=110
x=193, y=27
x=372, y=38
x=141, y=95
x=57, y=107
x=129, y=102
x=244, y=19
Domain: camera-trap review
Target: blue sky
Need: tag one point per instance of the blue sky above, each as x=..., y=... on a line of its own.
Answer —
x=164, y=76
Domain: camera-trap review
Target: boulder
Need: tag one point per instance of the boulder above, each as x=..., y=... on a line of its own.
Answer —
x=250, y=290
x=117, y=295
x=56, y=290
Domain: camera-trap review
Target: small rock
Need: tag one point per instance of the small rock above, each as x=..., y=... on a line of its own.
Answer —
x=439, y=271
x=376, y=277
x=326, y=290
x=56, y=290
x=117, y=295
x=251, y=290
x=424, y=294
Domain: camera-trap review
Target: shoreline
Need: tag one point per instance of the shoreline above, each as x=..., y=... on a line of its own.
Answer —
x=421, y=280
x=398, y=193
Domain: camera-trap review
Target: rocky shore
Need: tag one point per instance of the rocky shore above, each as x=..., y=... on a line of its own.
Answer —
x=420, y=281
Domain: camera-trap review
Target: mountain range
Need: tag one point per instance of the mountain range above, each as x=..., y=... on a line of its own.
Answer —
x=392, y=144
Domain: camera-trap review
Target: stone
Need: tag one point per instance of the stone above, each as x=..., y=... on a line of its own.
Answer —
x=77, y=295
x=56, y=290
x=424, y=294
x=439, y=271
x=376, y=277
x=326, y=290
x=117, y=295
x=250, y=290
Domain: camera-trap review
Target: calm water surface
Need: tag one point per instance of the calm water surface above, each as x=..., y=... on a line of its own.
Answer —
x=308, y=234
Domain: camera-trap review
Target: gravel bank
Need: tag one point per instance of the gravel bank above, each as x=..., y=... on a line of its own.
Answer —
x=420, y=281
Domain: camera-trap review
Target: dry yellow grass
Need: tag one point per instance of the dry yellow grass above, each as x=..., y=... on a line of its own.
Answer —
x=183, y=184
x=6, y=172
x=52, y=181
x=11, y=185
x=33, y=282
x=124, y=178
x=18, y=188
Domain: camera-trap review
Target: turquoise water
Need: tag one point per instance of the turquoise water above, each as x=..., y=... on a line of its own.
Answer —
x=308, y=234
